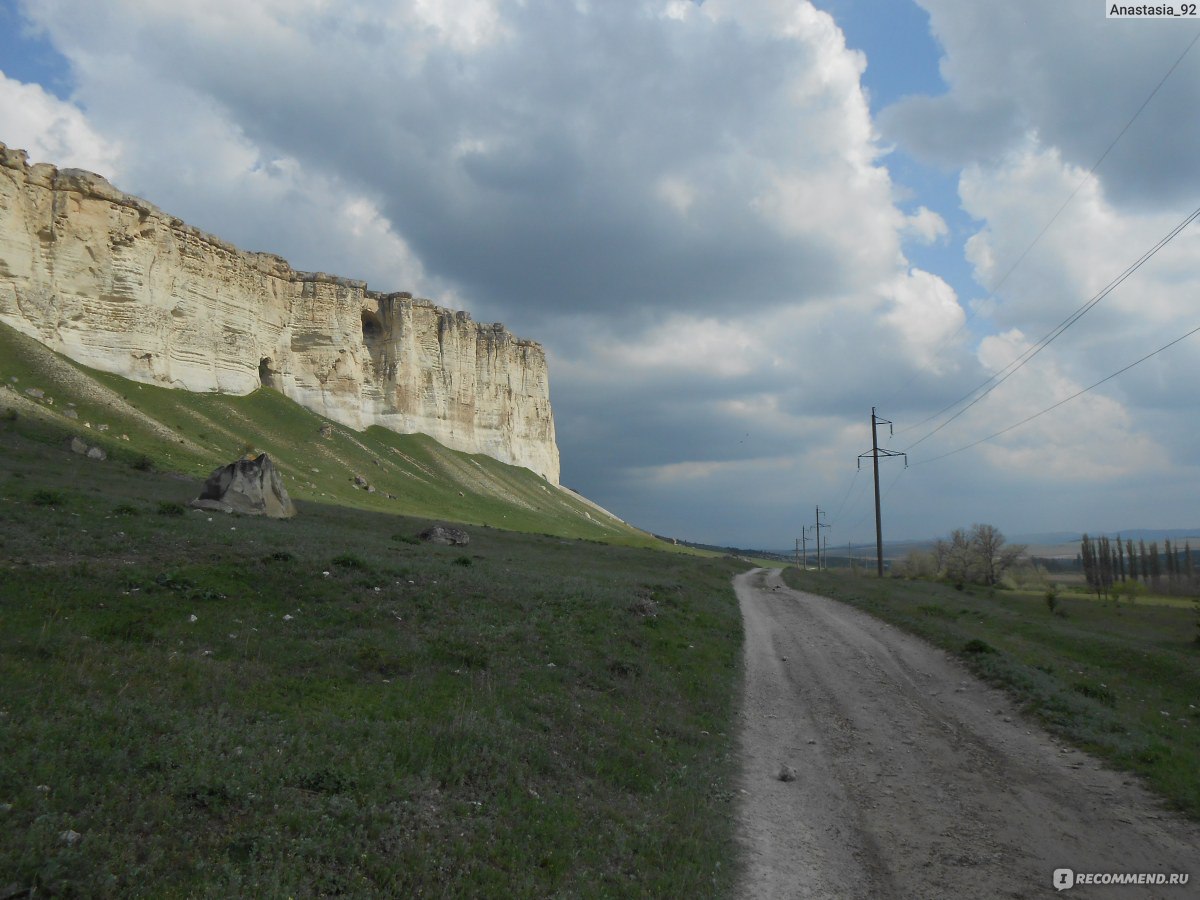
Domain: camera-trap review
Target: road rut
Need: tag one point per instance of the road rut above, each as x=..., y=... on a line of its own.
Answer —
x=915, y=779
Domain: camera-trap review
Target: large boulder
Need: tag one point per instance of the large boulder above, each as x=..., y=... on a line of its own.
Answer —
x=444, y=534
x=253, y=487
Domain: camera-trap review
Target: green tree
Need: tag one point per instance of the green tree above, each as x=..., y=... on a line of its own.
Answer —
x=958, y=558
x=1091, y=566
x=992, y=552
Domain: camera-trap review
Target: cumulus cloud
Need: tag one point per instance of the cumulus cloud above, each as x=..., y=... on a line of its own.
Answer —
x=926, y=226
x=1071, y=77
x=52, y=130
x=536, y=154
x=1090, y=244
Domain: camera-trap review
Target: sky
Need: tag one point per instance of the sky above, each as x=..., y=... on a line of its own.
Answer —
x=736, y=226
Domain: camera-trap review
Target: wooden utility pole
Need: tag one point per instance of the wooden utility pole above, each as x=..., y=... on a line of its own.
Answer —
x=818, y=528
x=875, y=453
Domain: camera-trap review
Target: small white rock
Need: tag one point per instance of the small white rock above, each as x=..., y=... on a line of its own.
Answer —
x=193, y=618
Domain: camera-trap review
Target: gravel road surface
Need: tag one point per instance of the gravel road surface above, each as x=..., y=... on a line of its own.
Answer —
x=912, y=778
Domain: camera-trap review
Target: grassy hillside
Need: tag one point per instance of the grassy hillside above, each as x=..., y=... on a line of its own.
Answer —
x=1121, y=681
x=194, y=433
x=201, y=705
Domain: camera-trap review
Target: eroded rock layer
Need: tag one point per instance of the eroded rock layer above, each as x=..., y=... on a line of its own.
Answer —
x=116, y=284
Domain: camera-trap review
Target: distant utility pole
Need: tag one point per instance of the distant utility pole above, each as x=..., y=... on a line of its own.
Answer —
x=875, y=453
x=818, y=528
x=804, y=541
x=797, y=553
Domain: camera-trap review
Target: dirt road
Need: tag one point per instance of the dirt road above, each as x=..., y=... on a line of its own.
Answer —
x=913, y=778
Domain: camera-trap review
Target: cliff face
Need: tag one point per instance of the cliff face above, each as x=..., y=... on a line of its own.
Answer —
x=113, y=282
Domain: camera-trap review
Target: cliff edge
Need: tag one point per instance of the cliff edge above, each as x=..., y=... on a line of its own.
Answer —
x=113, y=282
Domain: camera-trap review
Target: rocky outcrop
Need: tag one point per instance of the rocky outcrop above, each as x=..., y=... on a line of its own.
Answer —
x=116, y=284
x=252, y=487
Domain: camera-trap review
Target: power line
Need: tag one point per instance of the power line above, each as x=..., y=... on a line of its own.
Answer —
x=1091, y=173
x=1008, y=371
x=845, y=496
x=1061, y=402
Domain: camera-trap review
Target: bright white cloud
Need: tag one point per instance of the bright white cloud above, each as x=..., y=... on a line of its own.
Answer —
x=51, y=130
x=926, y=315
x=926, y=226
x=1089, y=245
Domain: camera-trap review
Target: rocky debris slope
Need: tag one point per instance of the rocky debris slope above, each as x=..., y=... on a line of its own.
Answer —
x=115, y=283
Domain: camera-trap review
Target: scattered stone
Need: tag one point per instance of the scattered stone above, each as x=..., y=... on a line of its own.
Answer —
x=97, y=453
x=250, y=486
x=444, y=534
x=326, y=432
x=786, y=773
x=69, y=837
x=78, y=446
x=370, y=488
x=361, y=482
x=35, y=393
x=102, y=428
x=70, y=414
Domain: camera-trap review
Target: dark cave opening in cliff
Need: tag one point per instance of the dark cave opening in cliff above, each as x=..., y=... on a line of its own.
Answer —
x=372, y=328
x=266, y=376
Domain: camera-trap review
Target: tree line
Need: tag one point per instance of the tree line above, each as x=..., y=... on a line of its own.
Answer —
x=980, y=555
x=1112, y=566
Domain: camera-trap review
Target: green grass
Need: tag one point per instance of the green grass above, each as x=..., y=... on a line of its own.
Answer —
x=150, y=427
x=223, y=706
x=1120, y=681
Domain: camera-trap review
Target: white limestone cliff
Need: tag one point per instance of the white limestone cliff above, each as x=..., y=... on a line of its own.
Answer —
x=113, y=282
